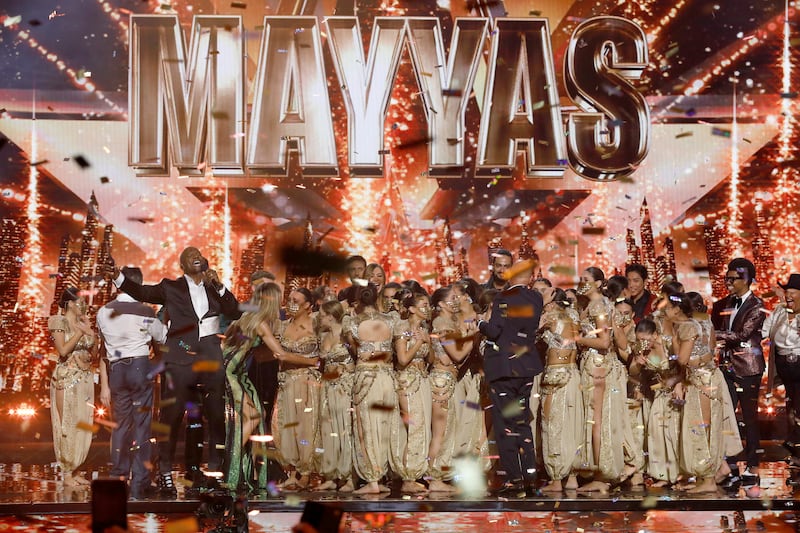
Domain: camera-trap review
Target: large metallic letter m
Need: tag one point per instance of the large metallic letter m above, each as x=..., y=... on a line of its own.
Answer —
x=186, y=110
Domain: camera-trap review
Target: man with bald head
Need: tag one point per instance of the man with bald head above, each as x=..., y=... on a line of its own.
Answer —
x=193, y=376
x=510, y=363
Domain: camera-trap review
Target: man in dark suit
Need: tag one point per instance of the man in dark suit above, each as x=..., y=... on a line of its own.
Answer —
x=737, y=319
x=193, y=375
x=510, y=363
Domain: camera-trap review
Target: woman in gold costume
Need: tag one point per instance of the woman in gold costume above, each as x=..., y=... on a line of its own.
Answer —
x=604, y=381
x=374, y=392
x=72, y=385
x=336, y=417
x=705, y=413
x=295, y=424
x=411, y=435
x=658, y=374
x=562, y=417
x=449, y=350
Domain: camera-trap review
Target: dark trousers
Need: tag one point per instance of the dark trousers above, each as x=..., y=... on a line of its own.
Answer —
x=790, y=376
x=511, y=419
x=201, y=394
x=744, y=392
x=131, y=409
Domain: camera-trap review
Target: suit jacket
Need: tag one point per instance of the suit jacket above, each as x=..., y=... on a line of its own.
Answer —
x=183, y=334
x=741, y=350
x=511, y=335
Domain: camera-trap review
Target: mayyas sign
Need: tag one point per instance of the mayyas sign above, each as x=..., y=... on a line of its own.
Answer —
x=191, y=107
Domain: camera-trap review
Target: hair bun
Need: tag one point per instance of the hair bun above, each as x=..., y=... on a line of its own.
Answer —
x=367, y=294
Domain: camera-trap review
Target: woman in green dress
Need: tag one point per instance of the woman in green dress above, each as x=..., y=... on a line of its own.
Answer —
x=246, y=432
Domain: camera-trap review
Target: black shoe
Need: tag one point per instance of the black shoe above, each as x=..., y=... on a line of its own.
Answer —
x=731, y=483
x=194, y=474
x=793, y=448
x=749, y=479
x=511, y=490
x=166, y=486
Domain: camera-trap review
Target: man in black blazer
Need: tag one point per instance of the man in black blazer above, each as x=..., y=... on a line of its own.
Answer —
x=737, y=319
x=194, y=375
x=510, y=363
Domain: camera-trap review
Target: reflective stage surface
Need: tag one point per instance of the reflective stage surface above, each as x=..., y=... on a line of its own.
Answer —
x=32, y=498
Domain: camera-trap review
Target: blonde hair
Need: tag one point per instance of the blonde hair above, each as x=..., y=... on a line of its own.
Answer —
x=243, y=332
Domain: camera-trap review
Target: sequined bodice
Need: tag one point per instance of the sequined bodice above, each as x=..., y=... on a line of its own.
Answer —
x=338, y=355
x=365, y=347
x=595, y=311
x=85, y=343
x=407, y=333
x=701, y=345
x=307, y=345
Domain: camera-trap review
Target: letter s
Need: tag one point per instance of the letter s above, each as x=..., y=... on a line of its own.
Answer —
x=612, y=136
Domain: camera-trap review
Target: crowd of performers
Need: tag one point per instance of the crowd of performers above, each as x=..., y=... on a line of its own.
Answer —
x=386, y=381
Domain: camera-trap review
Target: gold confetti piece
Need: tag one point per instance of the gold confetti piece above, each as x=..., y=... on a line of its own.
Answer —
x=166, y=401
x=158, y=427
x=382, y=407
x=184, y=525
x=206, y=366
x=261, y=438
x=649, y=502
x=684, y=134
x=522, y=266
x=84, y=426
x=293, y=500
x=291, y=425
x=520, y=311
x=107, y=423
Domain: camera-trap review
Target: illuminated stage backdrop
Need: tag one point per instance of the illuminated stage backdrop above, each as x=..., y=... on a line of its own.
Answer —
x=415, y=133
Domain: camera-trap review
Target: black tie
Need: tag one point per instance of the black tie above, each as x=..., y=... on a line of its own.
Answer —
x=737, y=301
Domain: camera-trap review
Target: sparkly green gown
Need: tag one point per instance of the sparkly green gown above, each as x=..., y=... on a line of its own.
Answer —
x=245, y=472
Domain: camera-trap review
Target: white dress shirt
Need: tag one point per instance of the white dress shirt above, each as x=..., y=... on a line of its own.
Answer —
x=197, y=292
x=735, y=310
x=787, y=330
x=128, y=335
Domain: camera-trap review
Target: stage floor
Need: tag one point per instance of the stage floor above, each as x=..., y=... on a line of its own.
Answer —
x=33, y=499
x=450, y=522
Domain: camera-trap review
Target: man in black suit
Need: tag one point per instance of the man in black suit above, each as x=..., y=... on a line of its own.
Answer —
x=193, y=375
x=737, y=319
x=510, y=363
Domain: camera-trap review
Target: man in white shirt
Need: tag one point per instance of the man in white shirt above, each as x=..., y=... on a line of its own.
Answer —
x=782, y=327
x=126, y=384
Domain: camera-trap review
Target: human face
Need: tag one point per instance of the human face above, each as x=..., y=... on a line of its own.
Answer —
x=587, y=284
x=643, y=342
x=355, y=270
x=500, y=263
x=192, y=261
x=449, y=303
x=671, y=310
x=540, y=286
x=422, y=308
x=79, y=306
x=388, y=301
x=297, y=304
x=793, y=299
x=735, y=283
x=325, y=320
x=377, y=277
x=462, y=297
x=635, y=284
x=624, y=314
